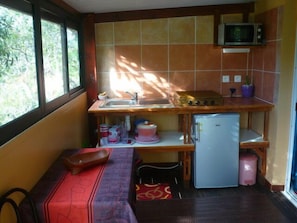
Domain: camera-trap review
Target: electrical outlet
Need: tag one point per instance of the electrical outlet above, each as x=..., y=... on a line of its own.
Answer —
x=237, y=78
x=226, y=79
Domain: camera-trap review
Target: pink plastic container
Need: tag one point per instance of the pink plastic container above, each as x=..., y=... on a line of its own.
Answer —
x=147, y=130
x=247, y=169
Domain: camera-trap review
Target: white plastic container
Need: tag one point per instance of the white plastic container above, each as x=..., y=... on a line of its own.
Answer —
x=114, y=134
x=247, y=169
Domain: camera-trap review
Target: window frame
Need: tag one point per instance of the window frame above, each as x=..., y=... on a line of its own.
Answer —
x=41, y=9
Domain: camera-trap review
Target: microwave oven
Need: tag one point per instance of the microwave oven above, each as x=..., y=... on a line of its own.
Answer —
x=240, y=34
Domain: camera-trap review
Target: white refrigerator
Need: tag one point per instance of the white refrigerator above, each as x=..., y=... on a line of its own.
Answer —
x=216, y=155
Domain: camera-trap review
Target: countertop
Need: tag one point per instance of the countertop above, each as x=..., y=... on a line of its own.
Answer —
x=236, y=104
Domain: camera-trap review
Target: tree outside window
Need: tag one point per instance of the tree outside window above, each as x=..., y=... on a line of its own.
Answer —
x=18, y=78
x=73, y=58
x=53, y=69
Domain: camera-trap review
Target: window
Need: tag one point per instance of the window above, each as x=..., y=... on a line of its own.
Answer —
x=39, y=63
x=73, y=58
x=52, y=51
x=18, y=77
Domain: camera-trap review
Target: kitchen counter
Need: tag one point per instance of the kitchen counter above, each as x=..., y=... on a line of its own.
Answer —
x=252, y=140
x=230, y=105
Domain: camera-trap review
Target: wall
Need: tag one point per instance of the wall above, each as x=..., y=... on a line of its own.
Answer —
x=24, y=159
x=157, y=57
x=160, y=56
x=266, y=69
x=280, y=116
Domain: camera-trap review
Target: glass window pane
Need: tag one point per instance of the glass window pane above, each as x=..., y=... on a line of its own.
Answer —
x=73, y=58
x=54, y=77
x=18, y=78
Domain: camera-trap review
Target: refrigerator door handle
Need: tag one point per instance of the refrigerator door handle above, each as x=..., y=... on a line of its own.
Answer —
x=197, y=131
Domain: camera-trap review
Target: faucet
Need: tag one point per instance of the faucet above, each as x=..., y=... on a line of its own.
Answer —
x=134, y=96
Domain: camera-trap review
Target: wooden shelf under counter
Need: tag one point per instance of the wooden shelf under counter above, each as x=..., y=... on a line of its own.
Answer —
x=170, y=141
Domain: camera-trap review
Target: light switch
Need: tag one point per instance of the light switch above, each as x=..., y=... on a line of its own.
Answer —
x=226, y=79
x=237, y=78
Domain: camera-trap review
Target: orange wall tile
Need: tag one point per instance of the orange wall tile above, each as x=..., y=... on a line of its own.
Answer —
x=233, y=61
x=182, y=30
x=182, y=57
x=104, y=33
x=208, y=57
x=208, y=80
x=269, y=56
x=154, y=31
x=155, y=85
x=127, y=33
x=258, y=81
x=268, y=86
x=258, y=58
x=128, y=58
x=204, y=29
x=187, y=83
x=106, y=57
x=155, y=57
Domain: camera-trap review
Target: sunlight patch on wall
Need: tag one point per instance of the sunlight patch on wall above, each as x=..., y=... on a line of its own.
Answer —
x=157, y=83
x=121, y=82
x=127, y=75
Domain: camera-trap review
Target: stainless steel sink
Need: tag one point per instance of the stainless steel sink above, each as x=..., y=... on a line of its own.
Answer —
x=152, y=101
x=142, y=103
x=119, y=102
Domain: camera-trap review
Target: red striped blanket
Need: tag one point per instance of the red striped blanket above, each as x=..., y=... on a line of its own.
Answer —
x=104, y=193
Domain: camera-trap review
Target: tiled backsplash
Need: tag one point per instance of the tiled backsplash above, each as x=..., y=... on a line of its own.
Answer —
x=160, y=56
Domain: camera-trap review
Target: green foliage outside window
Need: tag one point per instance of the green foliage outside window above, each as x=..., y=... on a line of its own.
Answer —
x=52, y=51
x=73, y=58
x=18, y=80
